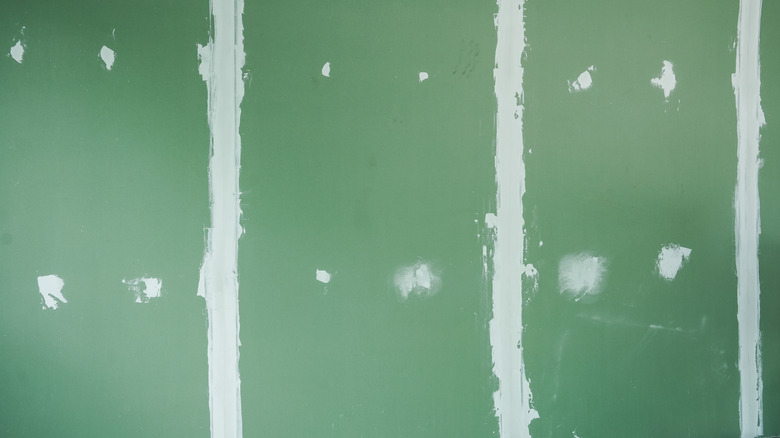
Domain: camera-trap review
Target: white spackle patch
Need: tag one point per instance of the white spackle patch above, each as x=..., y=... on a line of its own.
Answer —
x=490, y=220
x=323, y=276
x=583, y=81
x=423, y=76
x=417, y=279
x=484, y=259
x=667, y=81
x=326, y=69
x=17, y=52
x=50, y=288
x=529, y=271
x=204, y=58
x=108, y=56
x=581, y=275
x=670, y=260
x=144, y=288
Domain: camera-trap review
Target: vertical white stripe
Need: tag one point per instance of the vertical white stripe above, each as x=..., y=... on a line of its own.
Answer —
x=747, y=227
x=221, y=63
x=513, y=397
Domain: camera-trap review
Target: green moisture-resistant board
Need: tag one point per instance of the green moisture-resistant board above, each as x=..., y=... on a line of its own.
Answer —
x=360, y=174
x=102, y=178
x=617, y=171
x=368, y=136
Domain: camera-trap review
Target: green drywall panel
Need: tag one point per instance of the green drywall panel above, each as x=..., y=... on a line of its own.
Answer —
x=617, y=172
x=360, y=174
x=769, y=190
x=103, y=177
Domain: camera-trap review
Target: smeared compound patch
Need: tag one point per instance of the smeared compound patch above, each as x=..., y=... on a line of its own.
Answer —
x=108, y=56
x=17, y=52
x=581, y=275
x=205, y=54
x=323, y=276
x=667, y=81
x=423, y=76
x=144, y=288
x=326, y=69
x=670, y=260
x=490, y=220
x=419, y=279
x=50, y=288
x=532, y=275
x=583, y=81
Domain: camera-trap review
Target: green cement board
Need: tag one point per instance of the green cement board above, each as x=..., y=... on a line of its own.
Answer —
x=367, y=172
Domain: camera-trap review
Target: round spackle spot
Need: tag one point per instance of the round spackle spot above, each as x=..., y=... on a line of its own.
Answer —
x=670, y=259
x=581, y=275
x=419, y=279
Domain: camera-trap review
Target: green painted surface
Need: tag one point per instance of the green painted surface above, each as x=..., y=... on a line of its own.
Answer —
x=769, y=190
x=360, y=174
x=618, y=172
x=102, y=177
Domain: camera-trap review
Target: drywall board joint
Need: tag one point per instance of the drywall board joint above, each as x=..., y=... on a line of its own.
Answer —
x=747, y=227
x=221, y=63
x=512, y=400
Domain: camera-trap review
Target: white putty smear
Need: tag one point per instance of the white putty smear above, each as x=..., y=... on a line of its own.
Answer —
x=484, y=260
x=204, y=60
x=419, y=279
x=512, y=399
x=491, y=221
x=747, y=219
x=422, y=76
x=583, y=81
x=221, y=64
x=108, y=56
x=50, y=288
x=144, y=288
x=670, y=260
x=322, y=276
x=17, y=52
x=529, y=272
x=581, y=275
x=326, y=69
x=667, y=81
